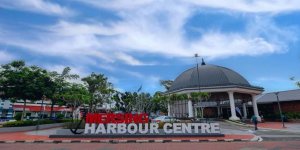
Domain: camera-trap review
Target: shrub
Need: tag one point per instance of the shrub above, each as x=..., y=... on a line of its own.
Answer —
x=19, y=123
x=59, y=116
x=293, y=115
x=33, y=123
x=161, y=125
x=18, y=116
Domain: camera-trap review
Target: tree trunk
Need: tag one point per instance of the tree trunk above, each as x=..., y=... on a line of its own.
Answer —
x=90, y=106
x=23, y=113
x=52, y=106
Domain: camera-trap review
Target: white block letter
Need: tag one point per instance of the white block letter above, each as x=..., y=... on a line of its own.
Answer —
x=141, y=128
x=205, y=128
x=130, y=130
x=154, y=128
x=215, y=128
x=186, y=128
x=89, y=127
x=101, y=129
x=196, y=127
x=166, y=130
x=121, y=128
x=177, y=128
x=111, y=128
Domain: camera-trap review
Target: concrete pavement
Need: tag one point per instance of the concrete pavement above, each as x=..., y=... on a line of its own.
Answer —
x=291, y=145
x=232, y=133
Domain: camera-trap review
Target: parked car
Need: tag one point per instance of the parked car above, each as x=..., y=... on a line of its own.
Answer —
x=165, y=119
x=151, y=118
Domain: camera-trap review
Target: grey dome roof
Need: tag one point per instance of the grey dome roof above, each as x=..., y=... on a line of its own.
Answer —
x=210, y=76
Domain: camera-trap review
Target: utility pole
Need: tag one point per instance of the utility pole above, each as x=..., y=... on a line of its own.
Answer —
x=40, y=116
x=196, y=56
x=279, y=107
x=199, y=88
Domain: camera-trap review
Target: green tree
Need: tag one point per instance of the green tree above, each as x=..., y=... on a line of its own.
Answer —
x=160, y=102
x=60, y=84
x=21, y=82
x=75, y=95
x=296, y=82
x=144, y=103
x=199, y=97
x=128, y=100
x=166, y=83
x=100, y=89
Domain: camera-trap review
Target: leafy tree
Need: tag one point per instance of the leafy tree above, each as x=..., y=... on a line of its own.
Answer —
x=100, y=89
x=76, y=95
x=60, y=84
x=21, y=82
x=129, y=101
x=119, y=104
x=199, y=97
x=160, y=102
x=166, y=83
x=18, y=116
x=297, y=82
x=144, y=103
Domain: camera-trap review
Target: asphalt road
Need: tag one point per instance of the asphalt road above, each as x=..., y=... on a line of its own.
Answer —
x=290, y=145
x=266, y=135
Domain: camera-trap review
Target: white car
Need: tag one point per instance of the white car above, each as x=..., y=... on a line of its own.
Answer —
x=164, y=119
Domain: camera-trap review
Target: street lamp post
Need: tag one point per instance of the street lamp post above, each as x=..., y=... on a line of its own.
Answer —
x=199, y=88
x=279, y=107
x=196, y=56
x=40, y=115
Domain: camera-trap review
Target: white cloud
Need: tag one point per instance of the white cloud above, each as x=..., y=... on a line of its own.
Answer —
x=64, y=28
x=6, y=57
x=74, y=69
x=79, y=70
x=252, y=6
x=119, y=4
x=215, y=45
x=38, y=6
x=133, y=73
x=151, y=27
x=128, y=59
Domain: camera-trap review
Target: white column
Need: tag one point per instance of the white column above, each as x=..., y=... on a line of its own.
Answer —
x=190, y=107
x=245, y=110
x=196, y=112
x=169, y=109
x=218, y=108
x=232, y=107
x=255, y=109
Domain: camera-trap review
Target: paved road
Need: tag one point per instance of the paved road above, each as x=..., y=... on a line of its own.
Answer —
x=292, y=133
x=268, y=135
x=158, y=146
x=227, y=128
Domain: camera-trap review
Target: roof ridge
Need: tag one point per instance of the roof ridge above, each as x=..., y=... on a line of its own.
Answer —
x=283, y=91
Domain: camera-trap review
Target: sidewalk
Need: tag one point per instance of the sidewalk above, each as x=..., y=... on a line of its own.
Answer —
x=42, y=137
x=292, y=127
x=270, y=125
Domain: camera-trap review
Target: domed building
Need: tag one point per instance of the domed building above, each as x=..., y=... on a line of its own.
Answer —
x=231, y=95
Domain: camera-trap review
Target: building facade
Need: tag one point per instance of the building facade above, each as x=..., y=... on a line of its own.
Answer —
x=289, y=102
x=6, y=110
x=231, y=95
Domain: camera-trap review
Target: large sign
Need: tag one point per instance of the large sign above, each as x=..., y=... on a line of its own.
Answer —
x=139, y=124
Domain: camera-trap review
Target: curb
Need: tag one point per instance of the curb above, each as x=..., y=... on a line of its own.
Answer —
x=255, y=139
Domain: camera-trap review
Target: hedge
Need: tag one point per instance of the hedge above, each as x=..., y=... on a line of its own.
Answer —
x=32, y=123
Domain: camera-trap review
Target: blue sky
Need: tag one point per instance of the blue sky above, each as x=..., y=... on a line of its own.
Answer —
x=139, y=42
